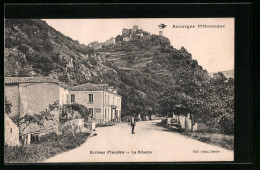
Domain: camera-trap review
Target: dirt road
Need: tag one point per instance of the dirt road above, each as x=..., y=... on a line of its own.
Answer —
x=151, y=143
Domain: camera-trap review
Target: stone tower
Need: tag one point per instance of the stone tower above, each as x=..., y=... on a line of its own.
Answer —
x=135, y=27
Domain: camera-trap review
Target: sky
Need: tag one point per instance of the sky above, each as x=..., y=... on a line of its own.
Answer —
x=213, y=48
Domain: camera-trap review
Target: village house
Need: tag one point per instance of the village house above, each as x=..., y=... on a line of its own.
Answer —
x=32, y=95
x=11, y=132
x=103, y=101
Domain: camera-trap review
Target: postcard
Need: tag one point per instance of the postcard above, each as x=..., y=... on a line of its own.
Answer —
x=119, y=90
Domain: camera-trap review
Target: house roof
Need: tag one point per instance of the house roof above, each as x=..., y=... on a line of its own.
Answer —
x=16, y=80
x=93, y=87
x=83, y=87
x=86, y=87
x=101, y=85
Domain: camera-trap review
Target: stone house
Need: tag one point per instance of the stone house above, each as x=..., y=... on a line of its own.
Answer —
x=11, y=132
x=32, y=95
x=103, y=101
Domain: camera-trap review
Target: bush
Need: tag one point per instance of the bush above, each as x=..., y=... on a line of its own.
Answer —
x=82, y=110
x=226, y=123
x=48, y=146
x=23, y=48
x=9, y=42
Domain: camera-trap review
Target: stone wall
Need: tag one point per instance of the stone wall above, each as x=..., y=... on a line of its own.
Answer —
x=185, y=122
x=199, y=127
x=12, y=94
x=36, y=97
x=73, y=126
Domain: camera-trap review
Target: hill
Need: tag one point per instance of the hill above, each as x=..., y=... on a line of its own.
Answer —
x=153, y=77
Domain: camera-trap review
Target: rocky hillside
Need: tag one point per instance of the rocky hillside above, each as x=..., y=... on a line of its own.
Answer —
x=153, y=77
x=33, y=48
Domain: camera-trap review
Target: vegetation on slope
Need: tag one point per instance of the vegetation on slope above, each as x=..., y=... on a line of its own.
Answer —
x=160, y=79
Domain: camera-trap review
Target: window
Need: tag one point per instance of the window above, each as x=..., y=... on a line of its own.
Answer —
x=11, y=130
x=91, y=112
x=108, y=100
x=105, y=99
x=68, y=99
x=90, y=96
x=105, y=113
x=72, y=98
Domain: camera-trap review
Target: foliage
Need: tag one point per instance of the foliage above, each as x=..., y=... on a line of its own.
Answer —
x=8, y=106
x=70, y=108
x=226, y=123
x=224, y=141
x=208, y=100
x=37, y=152
x=36, y=118
x=170, y=82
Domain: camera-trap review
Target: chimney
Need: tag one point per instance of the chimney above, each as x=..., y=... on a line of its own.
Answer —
x=161, y=33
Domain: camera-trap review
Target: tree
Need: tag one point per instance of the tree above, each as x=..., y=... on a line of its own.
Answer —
x=37, y=118
x=8, y=106
x=119, y=38
x=83, y=111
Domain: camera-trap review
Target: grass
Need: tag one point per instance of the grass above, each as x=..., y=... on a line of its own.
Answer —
x=49, y=145
x=225, y=141
x=222, y=140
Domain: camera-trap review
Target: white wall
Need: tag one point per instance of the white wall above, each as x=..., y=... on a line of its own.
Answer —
x=63, y=96
x=11, y=132
x=82, y=97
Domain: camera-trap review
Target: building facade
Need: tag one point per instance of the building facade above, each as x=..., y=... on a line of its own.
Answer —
x=103, y=102
x=11, y=132
x=32, y=95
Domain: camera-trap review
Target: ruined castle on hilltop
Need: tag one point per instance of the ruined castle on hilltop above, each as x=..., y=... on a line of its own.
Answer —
x=127, y=34
x=134, y=33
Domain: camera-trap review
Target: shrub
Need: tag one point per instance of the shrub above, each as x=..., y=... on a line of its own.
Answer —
x=48, y=146
x=83, y=111
x=226, y=123
x=23, y=48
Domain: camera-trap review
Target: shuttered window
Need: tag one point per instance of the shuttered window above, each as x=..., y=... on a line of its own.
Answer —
x=72, y=97
x=90, y=98
x=91, y=113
